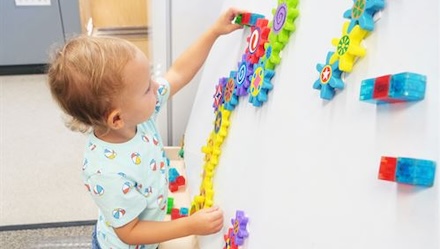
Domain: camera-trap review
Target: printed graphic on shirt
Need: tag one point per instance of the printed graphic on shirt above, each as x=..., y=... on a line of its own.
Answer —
x=126, y=187
x=84, y=167
x=136, y=158
x=118, y=213
x=98, y=190
x=161, y=203
x=145, y=138
x=148, y=191
x=109, y=153
x=92, y=146
x=153, y=165
x=162, y=167
x=162, y=90
x=155, y=140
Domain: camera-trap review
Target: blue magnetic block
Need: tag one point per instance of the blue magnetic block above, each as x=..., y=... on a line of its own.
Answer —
x=408, y=86
x=254, y=18
x=184, y=211
x=367, y=89
x=172, y=174
x=401, y=87
x=415, y=171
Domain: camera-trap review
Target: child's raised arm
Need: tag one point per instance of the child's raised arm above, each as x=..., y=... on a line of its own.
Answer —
x=192, y=59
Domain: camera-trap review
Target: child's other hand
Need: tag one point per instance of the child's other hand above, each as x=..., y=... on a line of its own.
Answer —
x=224, y=24
x=207, y=221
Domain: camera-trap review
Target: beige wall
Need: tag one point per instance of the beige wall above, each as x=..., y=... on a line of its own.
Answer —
x=118, y=14
x=85, y=13
x=115, y=13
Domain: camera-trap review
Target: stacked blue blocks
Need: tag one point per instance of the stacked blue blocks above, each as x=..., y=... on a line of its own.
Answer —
x=173, y=174
x=395, y=88
x=415, y=171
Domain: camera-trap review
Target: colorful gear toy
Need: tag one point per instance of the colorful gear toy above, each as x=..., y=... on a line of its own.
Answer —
x=244, y=73
x=362, y=13
x=260, y=84
x=211, y=150
x=205, y=198
x=208, y=170
x=207, y=191
x=229, y=240
x=256, y=40
x=221, y=126
x=197, y=204
x=272, y=59
x=230, y=97
x=348, y=47
x=218, y=95
x=212, y=154
x=239, y=224
x=281, y=27
x=329, y=78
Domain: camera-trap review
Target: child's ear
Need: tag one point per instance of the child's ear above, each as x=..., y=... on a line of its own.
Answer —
x=114, y=120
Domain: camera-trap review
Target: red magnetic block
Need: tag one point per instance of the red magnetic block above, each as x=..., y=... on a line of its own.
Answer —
x=180, y=180
x=246, y=18
x=387, y=170
x=173, y=187
x=382, y=87
x=175, y=213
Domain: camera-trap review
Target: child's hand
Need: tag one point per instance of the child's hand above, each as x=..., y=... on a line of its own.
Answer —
x=224, y=24
x=207, y=221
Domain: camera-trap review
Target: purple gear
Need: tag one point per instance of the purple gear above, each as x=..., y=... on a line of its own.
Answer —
x=219, y=92
x=239, y=224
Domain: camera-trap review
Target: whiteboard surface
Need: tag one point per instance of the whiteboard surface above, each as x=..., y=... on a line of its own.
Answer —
x=304, y=170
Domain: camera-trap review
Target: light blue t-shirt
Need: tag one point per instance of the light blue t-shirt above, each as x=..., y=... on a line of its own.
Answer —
x=128, y=180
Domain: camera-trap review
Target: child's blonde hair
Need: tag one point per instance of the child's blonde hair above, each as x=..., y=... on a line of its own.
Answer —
x=85, y=78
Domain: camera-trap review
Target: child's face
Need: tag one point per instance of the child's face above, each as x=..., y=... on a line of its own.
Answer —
x=140, y=95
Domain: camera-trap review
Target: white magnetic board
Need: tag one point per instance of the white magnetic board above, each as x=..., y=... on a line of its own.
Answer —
x=304, y=170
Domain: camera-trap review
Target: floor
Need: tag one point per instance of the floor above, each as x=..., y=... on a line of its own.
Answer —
x=77, y=237
x=40, y=165
x=39, y=157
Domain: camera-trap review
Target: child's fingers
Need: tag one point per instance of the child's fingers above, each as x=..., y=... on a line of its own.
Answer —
x=212, y=209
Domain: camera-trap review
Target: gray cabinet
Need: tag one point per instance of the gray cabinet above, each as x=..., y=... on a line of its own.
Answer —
x=27, y=33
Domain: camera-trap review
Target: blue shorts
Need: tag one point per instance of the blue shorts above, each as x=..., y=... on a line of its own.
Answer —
x=95, y=244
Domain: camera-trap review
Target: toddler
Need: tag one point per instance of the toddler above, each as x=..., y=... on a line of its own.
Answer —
x=104, y=85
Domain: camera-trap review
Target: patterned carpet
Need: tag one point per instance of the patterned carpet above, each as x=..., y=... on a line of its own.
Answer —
x=77, y=237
